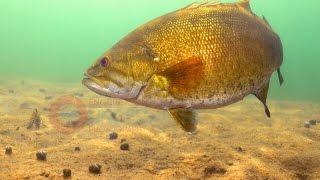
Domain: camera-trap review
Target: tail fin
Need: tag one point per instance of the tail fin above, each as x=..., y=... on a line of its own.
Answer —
x=281, y=80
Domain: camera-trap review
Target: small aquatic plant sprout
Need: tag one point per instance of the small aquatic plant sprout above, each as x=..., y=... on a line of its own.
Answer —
x=35, y=120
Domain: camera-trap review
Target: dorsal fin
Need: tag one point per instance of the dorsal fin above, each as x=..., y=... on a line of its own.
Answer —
x=266, y=21
x=244, y=4
x=197, y=5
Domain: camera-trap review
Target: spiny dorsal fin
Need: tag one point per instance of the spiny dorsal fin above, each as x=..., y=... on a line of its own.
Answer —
x=266, y=21
x=201, y=4
x=190, y=6
x=262, y=95
x=244, y=4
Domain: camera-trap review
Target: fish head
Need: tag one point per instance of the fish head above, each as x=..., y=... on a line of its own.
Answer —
x=121, y=72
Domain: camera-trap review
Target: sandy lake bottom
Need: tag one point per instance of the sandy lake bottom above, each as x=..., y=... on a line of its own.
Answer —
x=235, y=142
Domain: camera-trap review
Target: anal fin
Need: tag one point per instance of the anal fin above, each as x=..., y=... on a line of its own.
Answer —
x=262, y=95
x=281, y=80
x=186, y=118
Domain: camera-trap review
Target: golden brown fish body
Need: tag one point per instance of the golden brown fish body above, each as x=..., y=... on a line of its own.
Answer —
x=202, y=56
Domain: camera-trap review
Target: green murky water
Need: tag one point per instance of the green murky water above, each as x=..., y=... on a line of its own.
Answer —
x=57, y=40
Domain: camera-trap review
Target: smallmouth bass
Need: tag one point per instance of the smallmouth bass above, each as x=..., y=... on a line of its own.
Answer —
x=205, y=55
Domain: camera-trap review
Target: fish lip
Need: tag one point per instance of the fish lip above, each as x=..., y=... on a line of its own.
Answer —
x=95, y=87
x=90, y=84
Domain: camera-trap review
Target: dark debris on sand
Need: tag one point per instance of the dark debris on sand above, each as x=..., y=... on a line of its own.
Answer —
x=313, y=122
x=113, y=136
x=210, y=170
x=8, y=150
x=240, y=149
x=124, y=146
x=77, y=148
x=307, y=124
x=95, y=168
x=41, y=155
x=66, y=173
x=42, y=90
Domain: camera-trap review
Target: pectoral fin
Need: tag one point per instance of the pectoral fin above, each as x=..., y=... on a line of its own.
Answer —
x=262, y=95
x=184, y=76
x=186, y=118
x=281, y=80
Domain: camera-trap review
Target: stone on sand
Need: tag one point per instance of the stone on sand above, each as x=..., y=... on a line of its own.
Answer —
x=8, y=150
x=313, y=122
x=66, y=173
x=113, y=136
x=95, y=168
x=41, y=155
x=307, y=124
x=124, y=147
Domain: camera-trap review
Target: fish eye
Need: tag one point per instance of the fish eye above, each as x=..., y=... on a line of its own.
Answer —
x=104, y=62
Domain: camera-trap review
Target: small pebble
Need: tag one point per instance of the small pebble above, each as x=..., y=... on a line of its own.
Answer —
x=77, y=148
x=124, y=147
x=139, y=122
x=208, y=171
x=44, y=173
x=313, y=122
x=95, y=168
x=117, y=117
x=229, y=163
x=8, y=150
x=240, y=149
x=79, y=94
x=48, y=97
x=66, y=173
x=42, y=90
x=25, y=106
x=41, y=155
x=307, y=124
x=113, y=136
x=123, y=140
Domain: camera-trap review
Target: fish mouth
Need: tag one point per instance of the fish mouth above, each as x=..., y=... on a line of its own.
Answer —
x=111, y=90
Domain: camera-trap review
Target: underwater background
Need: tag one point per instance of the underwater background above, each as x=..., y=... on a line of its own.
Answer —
x=51, y=126
x=57, y=40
